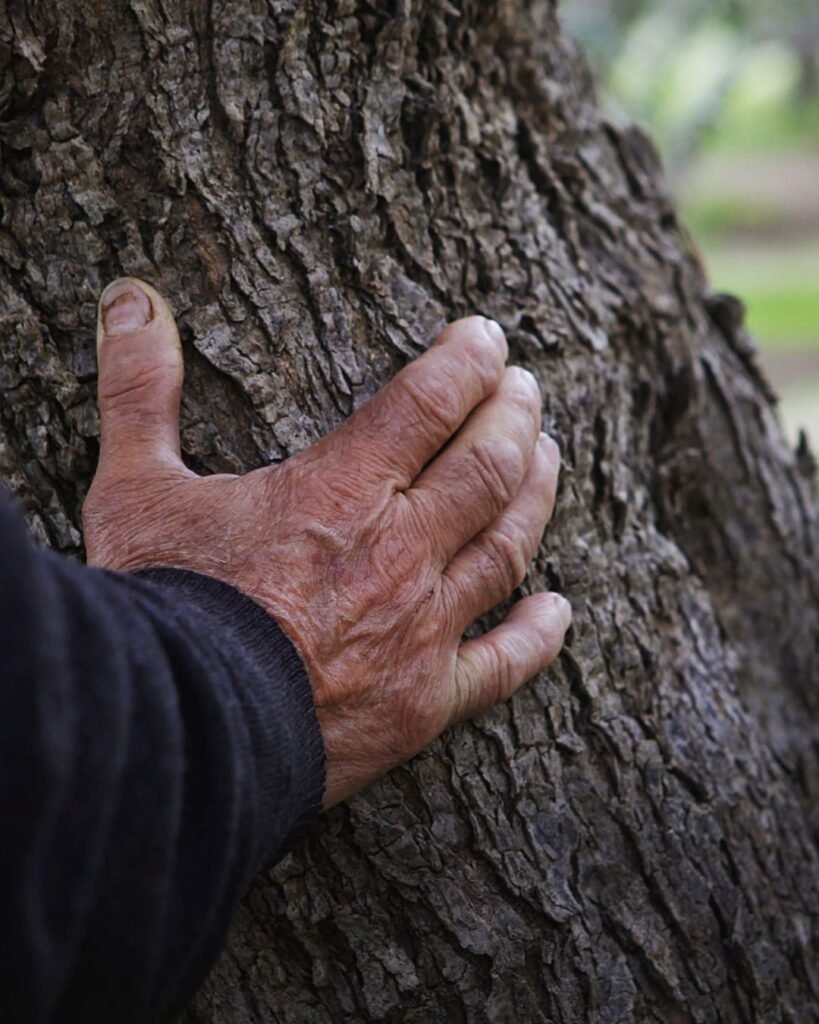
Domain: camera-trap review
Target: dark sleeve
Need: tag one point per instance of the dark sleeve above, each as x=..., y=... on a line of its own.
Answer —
x=158, y=747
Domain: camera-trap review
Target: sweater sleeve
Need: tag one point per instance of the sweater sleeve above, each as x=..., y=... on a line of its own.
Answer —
x=158, y=747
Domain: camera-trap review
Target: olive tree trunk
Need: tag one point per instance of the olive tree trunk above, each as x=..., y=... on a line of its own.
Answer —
x=318, y=186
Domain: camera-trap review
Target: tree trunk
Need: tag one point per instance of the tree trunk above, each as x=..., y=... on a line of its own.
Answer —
x=318, y=187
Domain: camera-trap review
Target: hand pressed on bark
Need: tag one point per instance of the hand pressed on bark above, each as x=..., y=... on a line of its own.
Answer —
x=374, y=549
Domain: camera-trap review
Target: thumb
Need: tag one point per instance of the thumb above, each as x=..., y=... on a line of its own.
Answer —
x=140, y=375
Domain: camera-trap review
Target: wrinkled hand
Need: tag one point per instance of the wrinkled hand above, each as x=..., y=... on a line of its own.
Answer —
x=374, y=549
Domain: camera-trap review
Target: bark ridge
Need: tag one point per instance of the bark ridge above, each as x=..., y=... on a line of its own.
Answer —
x=317, y=187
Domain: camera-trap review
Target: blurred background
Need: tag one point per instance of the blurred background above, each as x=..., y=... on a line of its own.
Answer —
x=729, y=89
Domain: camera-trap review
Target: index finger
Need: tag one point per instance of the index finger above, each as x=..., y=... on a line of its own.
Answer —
x=409, y=420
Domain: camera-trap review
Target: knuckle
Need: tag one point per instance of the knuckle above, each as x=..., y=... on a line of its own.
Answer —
x=428, y=398
x=498, y=464
x=506, y=555
x=525, y=387
x=486, y=683
x=455, y=604
x=397, y=568
x=140, y=381
x=503, y=657
x=139, y=399
x=483, y=347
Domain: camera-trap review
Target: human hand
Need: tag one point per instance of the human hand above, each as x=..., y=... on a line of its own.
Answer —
x=374, y=549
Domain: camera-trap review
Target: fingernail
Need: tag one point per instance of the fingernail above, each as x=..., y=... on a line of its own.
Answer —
x=124, y=307
x=550, y=447
x=563, y=609
x=494, y=330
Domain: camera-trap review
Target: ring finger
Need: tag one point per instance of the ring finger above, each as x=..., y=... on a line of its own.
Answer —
x=487, y=570
x=478, y=475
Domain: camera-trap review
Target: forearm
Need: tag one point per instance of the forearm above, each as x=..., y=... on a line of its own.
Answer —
x=158, y=745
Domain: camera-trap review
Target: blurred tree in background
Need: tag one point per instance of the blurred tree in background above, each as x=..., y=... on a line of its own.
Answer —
x=683, y=66
x=730, y=91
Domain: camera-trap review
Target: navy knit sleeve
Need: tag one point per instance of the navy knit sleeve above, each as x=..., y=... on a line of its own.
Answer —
x=158, y=747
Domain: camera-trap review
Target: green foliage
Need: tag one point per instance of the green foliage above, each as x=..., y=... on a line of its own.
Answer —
x=728, y=80
x=726, y=73
x=762, y=111
x=778, y=281
x=710, y=215
x=785, y=318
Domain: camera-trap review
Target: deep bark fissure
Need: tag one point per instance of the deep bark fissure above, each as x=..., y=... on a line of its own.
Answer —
x=317, y=188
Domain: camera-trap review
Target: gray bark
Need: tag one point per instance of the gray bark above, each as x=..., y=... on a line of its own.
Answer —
x=318, y=187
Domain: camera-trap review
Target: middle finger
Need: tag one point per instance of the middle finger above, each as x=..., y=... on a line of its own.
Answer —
x=479, y=473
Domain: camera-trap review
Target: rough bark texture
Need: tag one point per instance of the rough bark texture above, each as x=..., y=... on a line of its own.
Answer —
x=318, y=187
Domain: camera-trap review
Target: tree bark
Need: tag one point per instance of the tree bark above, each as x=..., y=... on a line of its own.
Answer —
x=318, y=187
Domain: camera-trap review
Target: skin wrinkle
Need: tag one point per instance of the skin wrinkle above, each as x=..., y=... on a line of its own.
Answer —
x=560, y=225
x=353, y=568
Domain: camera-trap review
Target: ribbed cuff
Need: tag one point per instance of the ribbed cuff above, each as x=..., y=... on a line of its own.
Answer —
x=282, y=688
